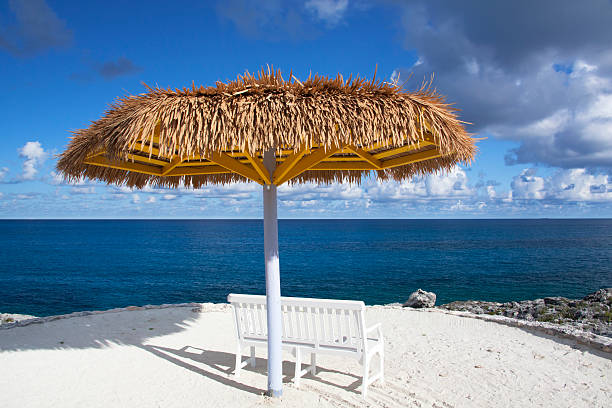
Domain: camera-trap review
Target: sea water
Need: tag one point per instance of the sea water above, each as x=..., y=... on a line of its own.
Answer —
x=59, y=266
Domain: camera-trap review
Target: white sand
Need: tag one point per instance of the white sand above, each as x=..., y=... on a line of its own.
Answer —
x=179, y=358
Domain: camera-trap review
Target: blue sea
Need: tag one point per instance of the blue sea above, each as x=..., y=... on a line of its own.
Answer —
x=52, y=267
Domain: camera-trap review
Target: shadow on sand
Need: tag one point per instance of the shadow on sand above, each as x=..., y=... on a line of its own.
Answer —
x=139, y=328
x=223, y=363
x=99, y=330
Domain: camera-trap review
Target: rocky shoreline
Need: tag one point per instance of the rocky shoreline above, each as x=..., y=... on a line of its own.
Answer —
x=587, y=320
x=592, y=313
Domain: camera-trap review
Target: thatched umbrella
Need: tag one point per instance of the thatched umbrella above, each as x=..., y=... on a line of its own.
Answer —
x=270, y=131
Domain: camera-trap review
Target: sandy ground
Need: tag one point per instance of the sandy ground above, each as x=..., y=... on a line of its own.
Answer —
x=180, y=358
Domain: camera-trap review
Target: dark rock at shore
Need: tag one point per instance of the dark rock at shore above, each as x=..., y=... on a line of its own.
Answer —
x=420, y=299
x=593, y=313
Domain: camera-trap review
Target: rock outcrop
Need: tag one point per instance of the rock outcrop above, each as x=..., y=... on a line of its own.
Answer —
x=420, y=299
x=6, y=318
x=593, y=313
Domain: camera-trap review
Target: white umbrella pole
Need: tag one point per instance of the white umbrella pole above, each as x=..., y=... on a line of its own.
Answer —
x=273, y=302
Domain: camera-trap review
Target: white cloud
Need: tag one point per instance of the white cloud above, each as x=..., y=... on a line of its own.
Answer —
x=491, y=193
x=231, y=190
x=124, y=189
x=573, y=185
x=169, y=196
x=27, y=196
x=579, y=185
x=151, y=200
x=544, y=128
x=3, y=172
x=444, y=185
x=330, y=11
x=34, y=156
x=528, y=186
x=83, y=190
x=460, y=206
x=395, y=77
x=311, y=191
x=135, y=199
x=58, y=180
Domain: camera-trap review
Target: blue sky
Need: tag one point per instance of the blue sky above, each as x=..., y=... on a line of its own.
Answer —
x=535, y=79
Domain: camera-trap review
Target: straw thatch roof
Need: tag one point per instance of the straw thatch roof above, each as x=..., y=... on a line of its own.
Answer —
x=322, y=130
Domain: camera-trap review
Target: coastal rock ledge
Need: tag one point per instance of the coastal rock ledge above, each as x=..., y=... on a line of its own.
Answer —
x=592, y=314
x=6, y=318
x=420, y=299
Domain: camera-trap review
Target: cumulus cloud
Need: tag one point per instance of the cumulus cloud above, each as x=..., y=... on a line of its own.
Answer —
x=528, y=186
x=34, y=156
x=35, y=29
x=3, y=172
x=329, y=11
x=536, y=73
x=436, y=192
x=447, y=185
x=572, y=185
x=451, y=192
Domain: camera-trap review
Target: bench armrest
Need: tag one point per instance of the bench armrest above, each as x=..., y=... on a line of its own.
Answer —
x=377, y=327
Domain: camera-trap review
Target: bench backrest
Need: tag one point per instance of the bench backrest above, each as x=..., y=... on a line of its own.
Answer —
x=317, y=322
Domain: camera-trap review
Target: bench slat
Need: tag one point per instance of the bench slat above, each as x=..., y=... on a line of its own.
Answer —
x=264, y=328
x=330, y=326
x=339, y=324
x=347, y=320
x=298, y=322
x=284, y=320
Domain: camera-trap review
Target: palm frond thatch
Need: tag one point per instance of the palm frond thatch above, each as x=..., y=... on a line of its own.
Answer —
x=253, y=114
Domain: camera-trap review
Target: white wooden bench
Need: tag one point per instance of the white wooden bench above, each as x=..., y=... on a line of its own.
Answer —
x=310, y=326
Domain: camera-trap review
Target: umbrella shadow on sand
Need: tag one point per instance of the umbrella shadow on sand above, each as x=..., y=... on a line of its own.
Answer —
x=140, y=328
x=223, y=363
x=98, y=330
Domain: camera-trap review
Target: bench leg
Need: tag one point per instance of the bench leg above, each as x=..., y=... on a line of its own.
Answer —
x=313, y=363
x=366, y=372
x=379, y=376
x=298, y=366
x=252, y=356
x=238, y=361
x=381, y=362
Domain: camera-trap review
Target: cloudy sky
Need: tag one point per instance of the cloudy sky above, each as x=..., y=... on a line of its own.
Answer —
x=534, y=78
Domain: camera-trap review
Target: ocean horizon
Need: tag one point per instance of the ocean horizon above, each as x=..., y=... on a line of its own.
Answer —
x=60, y=266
